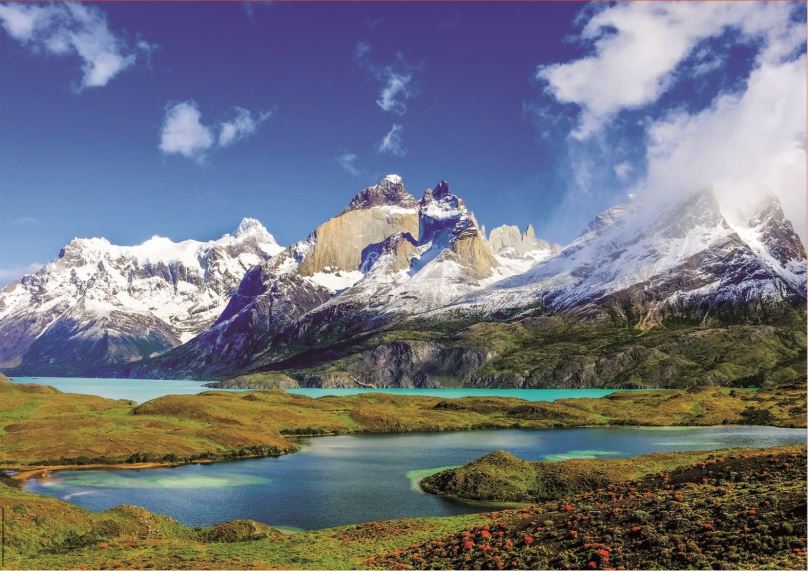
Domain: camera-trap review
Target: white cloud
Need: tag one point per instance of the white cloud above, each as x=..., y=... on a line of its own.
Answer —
x=348, y=163
x=637, y=47
x=8, y=275
x=397, y=79
x=183, y=132
x=396, y=92
x=391, y=143
x=742, y=146
x=241, y=126
x=72, y=29
x=747, y=141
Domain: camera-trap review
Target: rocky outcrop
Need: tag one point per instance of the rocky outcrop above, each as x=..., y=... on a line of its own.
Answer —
x=509, y=240
x=390, y=192
x=372, y=215
x=395, y=252
x=406, y=364
x=448, y=231
x=338, y=243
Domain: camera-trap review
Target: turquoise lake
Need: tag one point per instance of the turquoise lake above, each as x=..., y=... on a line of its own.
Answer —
x=141, y=390
x=348, y=479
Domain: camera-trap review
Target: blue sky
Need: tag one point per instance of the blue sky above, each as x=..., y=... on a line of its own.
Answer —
x=129, y=120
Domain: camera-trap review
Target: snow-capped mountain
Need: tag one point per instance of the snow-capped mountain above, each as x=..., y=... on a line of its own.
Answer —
x=101, y=303
x=688, y=259
x=386, y=256
x=389, y=260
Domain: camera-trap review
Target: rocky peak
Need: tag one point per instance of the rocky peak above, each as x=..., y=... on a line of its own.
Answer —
x=389, y=191
x=508, y=239
x=776, y=233
x=252, y=227
x=443, y=217
x=441, y=190
x=372, y=215
x=440, y=202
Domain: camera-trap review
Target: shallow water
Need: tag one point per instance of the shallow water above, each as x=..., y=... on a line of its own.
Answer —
x=141, y=390
x=348, y=479
x=138, y=390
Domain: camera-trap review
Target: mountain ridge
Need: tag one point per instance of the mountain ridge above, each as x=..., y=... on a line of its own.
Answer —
x=343, y=305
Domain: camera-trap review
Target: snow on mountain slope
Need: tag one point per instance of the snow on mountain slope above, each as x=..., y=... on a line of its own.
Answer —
x=124, y=302
x=405, y=276
x=299, y=279
x=687, y=257
x=519, y=251
x=385, y=255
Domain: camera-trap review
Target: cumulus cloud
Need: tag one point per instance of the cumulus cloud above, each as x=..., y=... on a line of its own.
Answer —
x=391, y=143
x=397, y=79
x=746, y=139
x=347, y=161
x=12, y=274
x=637, y=47
x=183, y=132
x=73, y=29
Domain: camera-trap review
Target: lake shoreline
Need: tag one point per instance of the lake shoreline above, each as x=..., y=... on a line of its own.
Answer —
x=43, y=471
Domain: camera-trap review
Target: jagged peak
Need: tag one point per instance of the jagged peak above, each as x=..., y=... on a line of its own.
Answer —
x=441, y=190
x=507, y=237
x=251, y=227
x=440, y=193
x=389, y=191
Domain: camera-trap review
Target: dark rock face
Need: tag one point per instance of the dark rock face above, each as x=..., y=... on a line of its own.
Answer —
x=777, y=233
x=401, y=247
x=389, y=192
x=408, y=364
x=74, y=346
x=262, y=308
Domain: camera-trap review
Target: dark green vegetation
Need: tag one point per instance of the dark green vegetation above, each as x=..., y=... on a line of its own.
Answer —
x=736, y=511
x=40, y=426
x=548, y=352
x=268, y=380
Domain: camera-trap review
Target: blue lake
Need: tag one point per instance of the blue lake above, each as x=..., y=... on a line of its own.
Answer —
x=141, y=390
x=348, y=479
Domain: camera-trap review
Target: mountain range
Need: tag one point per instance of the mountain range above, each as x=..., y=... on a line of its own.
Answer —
x=400, y=291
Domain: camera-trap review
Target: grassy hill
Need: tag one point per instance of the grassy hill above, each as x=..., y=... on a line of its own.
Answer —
x=42, y=426
x=502, y=477
x=737, y=511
